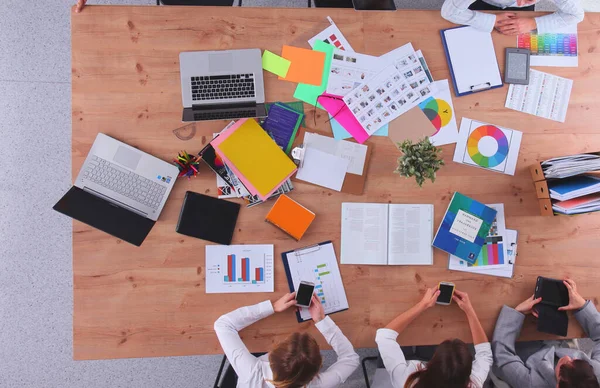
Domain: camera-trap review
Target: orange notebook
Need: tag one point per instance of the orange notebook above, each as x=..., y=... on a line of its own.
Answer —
x=289, y=216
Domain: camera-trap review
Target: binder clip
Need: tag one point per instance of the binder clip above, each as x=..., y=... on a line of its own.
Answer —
x=298, y=155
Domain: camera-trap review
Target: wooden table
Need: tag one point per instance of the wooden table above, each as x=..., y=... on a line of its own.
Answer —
x=150, y=301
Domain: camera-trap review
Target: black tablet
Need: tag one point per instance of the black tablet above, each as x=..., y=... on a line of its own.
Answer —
x=552, y=291
x=516, y=66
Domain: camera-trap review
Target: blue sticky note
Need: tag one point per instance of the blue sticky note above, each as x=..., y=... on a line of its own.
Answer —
x=339, y=133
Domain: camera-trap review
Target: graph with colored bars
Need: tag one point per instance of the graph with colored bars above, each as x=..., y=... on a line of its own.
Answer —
x=492, y=252
x=549, y=44
x=320, y=271
x=241, y=271
x=325, y=288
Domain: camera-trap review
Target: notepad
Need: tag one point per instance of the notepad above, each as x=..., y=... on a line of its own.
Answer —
x=472, y=59
x=254, y=157
x=306, y=65
x=387, y=234
x=310, y=93
x=275, y=64
x=291, y=217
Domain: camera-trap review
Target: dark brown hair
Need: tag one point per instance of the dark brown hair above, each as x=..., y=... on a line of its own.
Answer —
x=577, y=374
x=450, y=367
x=295, y=361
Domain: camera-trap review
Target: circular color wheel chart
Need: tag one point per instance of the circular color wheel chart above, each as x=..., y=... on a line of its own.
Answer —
x=473, y=146
x=438, y=112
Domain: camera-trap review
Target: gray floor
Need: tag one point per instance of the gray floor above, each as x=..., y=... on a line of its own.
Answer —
x=35, y=254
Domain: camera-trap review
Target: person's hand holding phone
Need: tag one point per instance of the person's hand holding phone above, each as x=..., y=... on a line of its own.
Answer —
x=285, y=302
x=317, y=313
x=429, y=299
x=526, y=306
x=463, y=301
x=576, y=301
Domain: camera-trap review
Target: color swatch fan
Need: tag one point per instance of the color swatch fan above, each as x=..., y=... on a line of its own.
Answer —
x=488, y=146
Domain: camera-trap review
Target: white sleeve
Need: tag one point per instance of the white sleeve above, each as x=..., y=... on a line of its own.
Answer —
x=227, y=328
x=347, y=359
x=458, y=12
x=481, y=364
x=569, y=12
x=393, y=358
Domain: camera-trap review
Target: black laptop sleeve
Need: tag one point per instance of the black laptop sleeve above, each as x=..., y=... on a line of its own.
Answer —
x=102, y=214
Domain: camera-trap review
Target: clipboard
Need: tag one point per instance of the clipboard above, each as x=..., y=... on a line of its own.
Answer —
x=479, y=55
x=325, y=266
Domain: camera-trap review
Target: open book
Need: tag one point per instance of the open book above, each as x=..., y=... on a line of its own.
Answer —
x=387, y=234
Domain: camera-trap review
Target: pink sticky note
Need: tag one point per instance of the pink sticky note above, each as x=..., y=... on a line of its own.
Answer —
x=336, y=107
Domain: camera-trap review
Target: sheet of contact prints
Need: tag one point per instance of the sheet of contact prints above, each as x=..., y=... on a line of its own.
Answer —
x=397, y=88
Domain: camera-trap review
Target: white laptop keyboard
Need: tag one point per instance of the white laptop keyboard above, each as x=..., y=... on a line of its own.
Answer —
x=124, y=182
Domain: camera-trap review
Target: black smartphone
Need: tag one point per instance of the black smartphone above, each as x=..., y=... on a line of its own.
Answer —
x=446, y=292
x=304, y=293
x=552, y=291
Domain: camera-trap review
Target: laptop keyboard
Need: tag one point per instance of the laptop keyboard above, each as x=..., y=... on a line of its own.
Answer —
x=124, y=182
x=220, y=87
x=224, y=115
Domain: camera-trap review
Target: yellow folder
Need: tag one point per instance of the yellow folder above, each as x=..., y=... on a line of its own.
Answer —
x=257, y=157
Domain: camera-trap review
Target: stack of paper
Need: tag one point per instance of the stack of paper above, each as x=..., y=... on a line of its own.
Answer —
x=567, y=166
x=586, y=204
x=255, y=159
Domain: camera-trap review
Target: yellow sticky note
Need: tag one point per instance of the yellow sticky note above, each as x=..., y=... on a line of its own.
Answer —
x=275, y=64
x=258, y=158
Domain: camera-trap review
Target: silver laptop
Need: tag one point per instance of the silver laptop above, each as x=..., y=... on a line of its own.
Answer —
x=222, y=85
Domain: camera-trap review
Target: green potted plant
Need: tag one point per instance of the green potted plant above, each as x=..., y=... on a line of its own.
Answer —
x=421, y=160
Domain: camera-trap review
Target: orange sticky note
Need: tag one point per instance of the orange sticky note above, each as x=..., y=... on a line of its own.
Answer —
x=306, y=65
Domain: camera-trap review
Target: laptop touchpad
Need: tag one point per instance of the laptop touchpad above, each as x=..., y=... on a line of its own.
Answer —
x=220, y=62
x=127, y=157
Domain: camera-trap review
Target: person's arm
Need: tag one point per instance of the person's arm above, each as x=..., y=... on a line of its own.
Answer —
x=463, y=301
x=347, y=359
x=228, y=326
x=389, y=349
x=586, y=314
x=569, y=12
x=79, y=6
x=508, y=327
x=457, y=11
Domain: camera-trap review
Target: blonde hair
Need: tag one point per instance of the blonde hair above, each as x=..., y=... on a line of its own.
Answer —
x=295, y=361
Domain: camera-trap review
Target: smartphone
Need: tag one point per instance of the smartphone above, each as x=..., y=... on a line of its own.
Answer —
x=304, y=293
x=446, y=292
x=516, y=66
x=552, y=291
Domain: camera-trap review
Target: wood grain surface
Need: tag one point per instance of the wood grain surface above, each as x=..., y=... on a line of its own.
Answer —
x=151, y=301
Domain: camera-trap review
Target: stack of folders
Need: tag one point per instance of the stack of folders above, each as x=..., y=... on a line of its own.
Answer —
x=250, y=162
x=574, y=195
x=567, y=166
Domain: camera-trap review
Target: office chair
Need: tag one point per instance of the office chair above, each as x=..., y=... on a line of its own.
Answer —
x=229, y=377
x=223, y=3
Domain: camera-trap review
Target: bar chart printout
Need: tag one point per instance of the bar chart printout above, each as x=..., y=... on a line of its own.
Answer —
x=239, y=268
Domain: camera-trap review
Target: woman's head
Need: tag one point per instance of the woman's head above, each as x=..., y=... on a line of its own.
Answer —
x=575, y=373
x=295, y=361
x=449, y=367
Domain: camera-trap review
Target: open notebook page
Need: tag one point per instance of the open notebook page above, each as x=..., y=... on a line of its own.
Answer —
x=364, y=233
x=410, y=234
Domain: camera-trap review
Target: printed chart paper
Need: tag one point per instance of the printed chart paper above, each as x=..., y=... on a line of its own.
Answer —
x=239, y=268
x=439, y=109
x=546, y=96
x=349, y=70
x=557, y=48
x=333, y=36
x=397, y=88
x=488, y=146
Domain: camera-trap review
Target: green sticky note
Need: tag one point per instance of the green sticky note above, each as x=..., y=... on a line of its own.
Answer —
x=275, y=64
x=309, y=93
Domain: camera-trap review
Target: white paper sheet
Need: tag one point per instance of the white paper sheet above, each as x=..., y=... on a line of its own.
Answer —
x=318, y=265
x=546, y=96
x=488, y=146
x=225, y=277
x=355, y=153
x=397, y=88
x=439, y=109
x=473, y=58
x=556, y=48
x=410, y=233
x=349, y=69
x=364, y=233
x=323, y=169
x=333, y=36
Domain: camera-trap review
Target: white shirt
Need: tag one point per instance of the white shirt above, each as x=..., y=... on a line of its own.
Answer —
x=400, y=369
x=457, y=11
x=253, y=371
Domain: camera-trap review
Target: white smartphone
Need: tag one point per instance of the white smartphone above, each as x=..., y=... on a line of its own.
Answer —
x=304, y=293
x=446, y=292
